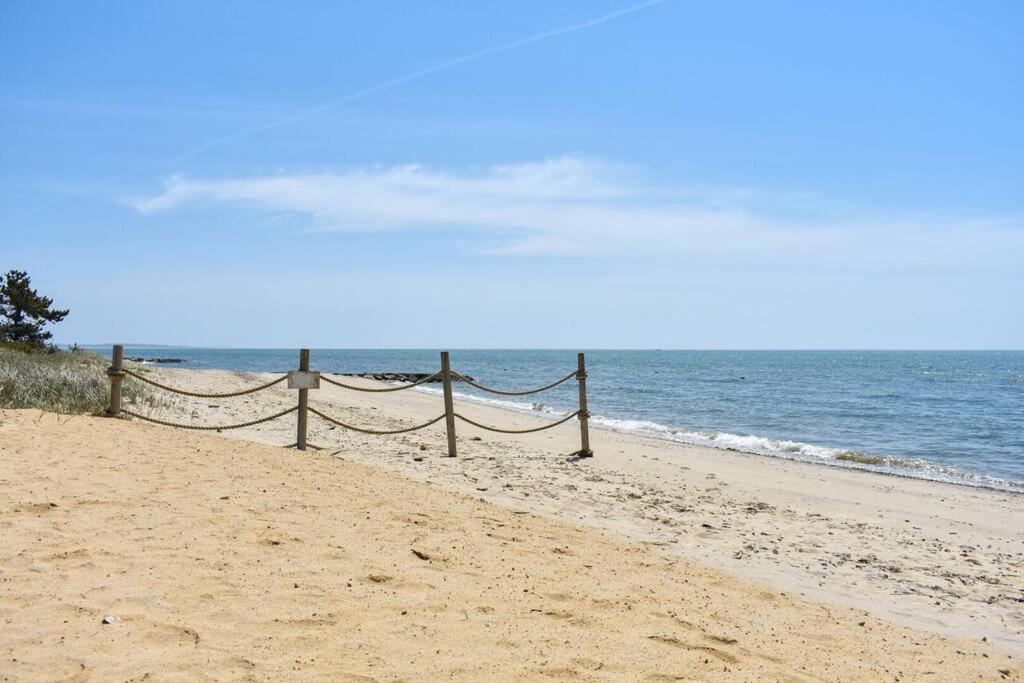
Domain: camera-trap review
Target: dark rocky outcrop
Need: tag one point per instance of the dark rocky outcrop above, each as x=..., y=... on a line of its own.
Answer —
x=393, y=376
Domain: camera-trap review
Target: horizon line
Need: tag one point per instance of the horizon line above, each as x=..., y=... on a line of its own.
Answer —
x=524, y=348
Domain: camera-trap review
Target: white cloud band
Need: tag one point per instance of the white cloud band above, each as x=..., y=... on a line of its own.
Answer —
x=576, y=206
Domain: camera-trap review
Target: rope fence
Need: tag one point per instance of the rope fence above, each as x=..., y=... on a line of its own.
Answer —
x=305, y=380
x=230, y=394
x=499, y=392
x=213, y=428
x=379, y=432
x=499, y=430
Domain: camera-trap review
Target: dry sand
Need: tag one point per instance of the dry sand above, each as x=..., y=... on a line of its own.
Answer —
x=935, y=556
x=220, y=558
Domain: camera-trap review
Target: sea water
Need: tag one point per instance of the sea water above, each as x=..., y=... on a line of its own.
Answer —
x=955, y=416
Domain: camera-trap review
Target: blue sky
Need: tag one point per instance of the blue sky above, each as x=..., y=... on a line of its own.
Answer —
x=529, y=174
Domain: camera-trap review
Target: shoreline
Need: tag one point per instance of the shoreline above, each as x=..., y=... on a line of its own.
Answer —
x=779, y=445
x=928, y=554
x=962, y=478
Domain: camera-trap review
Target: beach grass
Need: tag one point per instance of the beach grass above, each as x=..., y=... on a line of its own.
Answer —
x=72, y=382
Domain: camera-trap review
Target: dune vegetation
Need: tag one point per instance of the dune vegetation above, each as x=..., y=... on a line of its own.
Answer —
x=73, y=381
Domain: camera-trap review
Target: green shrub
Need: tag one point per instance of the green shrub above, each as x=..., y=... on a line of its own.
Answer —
x=61, y=382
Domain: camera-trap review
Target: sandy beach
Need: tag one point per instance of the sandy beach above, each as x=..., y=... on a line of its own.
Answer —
x=946, y=558
x=723, y=296
x=220, y=559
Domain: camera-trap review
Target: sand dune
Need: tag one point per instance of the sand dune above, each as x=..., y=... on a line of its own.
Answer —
x=220, y=559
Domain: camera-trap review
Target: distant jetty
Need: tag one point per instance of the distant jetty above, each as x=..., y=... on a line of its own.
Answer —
x=140, y=359
x=397, y=376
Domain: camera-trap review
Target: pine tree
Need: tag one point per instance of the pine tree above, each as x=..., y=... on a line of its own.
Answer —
x=24, y=313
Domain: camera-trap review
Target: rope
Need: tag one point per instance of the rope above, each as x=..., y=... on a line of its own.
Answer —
x=378, y=432
x=175, y=390
x=211, y=429
x=517, y=431
x=377, y=391
x=512, y=393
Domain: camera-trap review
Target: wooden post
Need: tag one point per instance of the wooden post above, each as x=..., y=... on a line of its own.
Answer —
x=116, y=373
x=449, y=403
x=300, y=439
x=581, y=377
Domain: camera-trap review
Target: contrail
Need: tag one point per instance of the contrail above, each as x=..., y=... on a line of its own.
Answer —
x=386, y=85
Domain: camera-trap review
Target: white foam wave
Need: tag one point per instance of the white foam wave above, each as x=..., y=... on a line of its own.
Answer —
x=738, y=442
x=805, y=452
x=534, y=408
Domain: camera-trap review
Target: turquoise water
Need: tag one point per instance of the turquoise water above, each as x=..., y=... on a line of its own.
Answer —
x=948, y=415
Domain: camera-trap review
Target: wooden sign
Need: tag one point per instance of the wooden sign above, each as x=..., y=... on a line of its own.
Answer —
x=303, y=379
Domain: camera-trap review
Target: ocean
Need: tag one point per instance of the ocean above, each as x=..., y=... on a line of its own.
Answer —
x=954, y=416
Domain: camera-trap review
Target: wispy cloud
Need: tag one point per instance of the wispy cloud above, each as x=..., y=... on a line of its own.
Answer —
x=357, y=95
x=381, y=87
x=579, y=207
